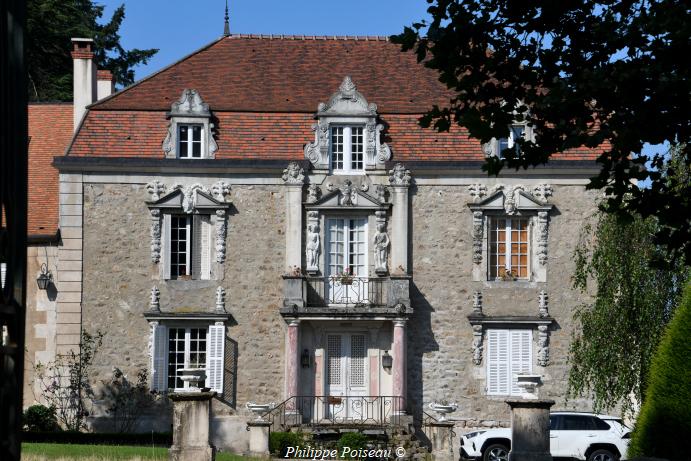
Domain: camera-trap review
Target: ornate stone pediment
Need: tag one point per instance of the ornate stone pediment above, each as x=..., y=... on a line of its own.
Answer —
x=347, y=106
x=509, y=199
x=190, y=109
x=347, y=197
x=189, y=199
x=190, y=104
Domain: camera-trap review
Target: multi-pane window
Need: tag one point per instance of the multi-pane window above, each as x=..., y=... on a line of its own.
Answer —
x=509, y=354
x=516, y=132
x=187, y=246
x=509, y=250
x=186, y=349
x=190, y=141
x=347, y=246
x=347, y=148
x=180, y=236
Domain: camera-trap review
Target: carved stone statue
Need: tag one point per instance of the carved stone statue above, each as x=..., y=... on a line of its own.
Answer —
x=381, y=249
x=313, y=247
x=348, y=194
x=399, y=176
x=312, y=193
x=294, y=174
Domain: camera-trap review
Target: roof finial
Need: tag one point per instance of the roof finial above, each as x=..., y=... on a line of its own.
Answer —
x=226, y=25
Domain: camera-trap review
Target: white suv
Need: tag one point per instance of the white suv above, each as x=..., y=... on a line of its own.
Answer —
x=584, y=436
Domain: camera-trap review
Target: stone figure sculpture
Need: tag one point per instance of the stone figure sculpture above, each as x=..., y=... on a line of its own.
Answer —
x=312, y=247
x=381, y=248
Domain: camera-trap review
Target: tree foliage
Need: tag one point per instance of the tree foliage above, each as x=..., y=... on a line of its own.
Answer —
x=66, y=382
x=619, y=330
x=597, y=73
x=50, y=26
x=663, y=426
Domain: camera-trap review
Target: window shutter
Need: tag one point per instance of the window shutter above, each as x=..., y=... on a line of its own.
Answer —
x=335, y=359
x=205, y=269
x=521, y=356
x=196, y=259
x=214, y=367
x=159, y=363
x=498, y=376
x=165, y=251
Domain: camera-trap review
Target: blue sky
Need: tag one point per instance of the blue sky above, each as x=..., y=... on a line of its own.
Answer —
x=178, y=27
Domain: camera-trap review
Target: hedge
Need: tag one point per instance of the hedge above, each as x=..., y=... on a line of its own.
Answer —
x=164, y=439
x=280, y=441
x=664, y=424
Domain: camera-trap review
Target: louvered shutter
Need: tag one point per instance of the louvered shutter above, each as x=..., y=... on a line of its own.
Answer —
x=335, y=360
x=214, y=367
x=521, y=356
x=498, y=373
x=159, y=364
x=165, y=247
x=358, y=353
x=196, y=259
x=205, y=245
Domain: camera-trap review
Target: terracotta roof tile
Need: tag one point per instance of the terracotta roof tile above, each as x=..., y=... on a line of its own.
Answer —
x=50, y=131
x=289, y=74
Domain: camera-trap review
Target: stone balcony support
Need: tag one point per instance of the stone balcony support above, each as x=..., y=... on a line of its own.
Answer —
x=292, y=358
x=399, y=362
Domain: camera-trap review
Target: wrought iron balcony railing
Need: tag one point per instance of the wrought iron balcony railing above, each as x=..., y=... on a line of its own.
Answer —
x=323, y=410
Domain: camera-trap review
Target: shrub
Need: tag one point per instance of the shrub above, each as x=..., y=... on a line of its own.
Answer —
x=40, y=418
x=280, y=441
x=663, y=426
x=352, y=440
x=127, y=400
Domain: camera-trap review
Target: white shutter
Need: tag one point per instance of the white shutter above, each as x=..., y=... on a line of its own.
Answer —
x=165, y=247
x=498, y=373
x=335, y=359
x=521, y=356
x=205, y=221
x=214, y=367
x=159, y=364
x=358, y=354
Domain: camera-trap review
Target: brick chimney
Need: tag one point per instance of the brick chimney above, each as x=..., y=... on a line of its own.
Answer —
x=84, y=76
x=105, y=84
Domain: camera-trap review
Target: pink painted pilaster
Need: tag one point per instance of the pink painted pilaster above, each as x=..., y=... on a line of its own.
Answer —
x=374, y=375
x=292, y=358
x=399, y=362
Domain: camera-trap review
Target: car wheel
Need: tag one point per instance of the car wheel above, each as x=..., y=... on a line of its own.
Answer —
x=602, y=455
x=496, y=452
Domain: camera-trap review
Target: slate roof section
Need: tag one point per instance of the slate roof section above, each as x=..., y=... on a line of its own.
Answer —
x=50, y=132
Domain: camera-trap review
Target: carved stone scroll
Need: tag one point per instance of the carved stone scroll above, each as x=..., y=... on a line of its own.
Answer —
x=477, y=344
x=221, y=229
x=542, y=236
x=543, y=345
x=478, y=235
x=155, y=235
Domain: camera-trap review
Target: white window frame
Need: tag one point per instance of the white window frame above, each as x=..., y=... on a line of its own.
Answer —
x=187, y=350
x=507, y=244
x=346, y=243
x=514, y=364
x=206, y=237
x=214, y=359
x=347, y=149
x=190, y=142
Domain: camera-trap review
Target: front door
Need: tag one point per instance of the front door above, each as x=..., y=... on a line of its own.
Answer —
x=346, y=376
x=347, y=260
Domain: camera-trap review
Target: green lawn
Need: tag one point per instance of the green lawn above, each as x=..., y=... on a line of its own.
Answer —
x=66, y=452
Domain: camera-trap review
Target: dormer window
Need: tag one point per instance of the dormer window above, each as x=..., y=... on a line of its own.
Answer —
x=190, y=132
x=347, y=136
x=347, y=148
x=516, y=132
x=190, y=140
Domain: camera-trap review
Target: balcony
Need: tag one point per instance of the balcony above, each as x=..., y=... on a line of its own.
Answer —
x=346, y=295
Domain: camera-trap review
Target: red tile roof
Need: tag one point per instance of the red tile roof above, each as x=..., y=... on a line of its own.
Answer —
x=264, y=92
x=50, y=131
x=290, y=74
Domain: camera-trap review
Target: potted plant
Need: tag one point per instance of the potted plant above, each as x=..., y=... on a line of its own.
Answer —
x=345, y=277
x=507, y=275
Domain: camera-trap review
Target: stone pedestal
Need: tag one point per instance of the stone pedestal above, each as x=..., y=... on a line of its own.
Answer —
x=191, y=411
x=259, y=438
x=530, y=429
x=441, y=436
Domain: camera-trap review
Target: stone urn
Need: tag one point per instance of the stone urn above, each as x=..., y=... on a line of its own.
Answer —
x=443, y=409
x=192, y=376
x=260, y=409
x=529, y=384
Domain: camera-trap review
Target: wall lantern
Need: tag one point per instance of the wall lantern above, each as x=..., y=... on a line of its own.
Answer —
x=44, y=278
x=386, y=361
x=305, y=359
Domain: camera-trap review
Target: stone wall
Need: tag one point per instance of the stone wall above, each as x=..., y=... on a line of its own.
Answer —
x=41, y=317
x=118, y=276
x=440, y=337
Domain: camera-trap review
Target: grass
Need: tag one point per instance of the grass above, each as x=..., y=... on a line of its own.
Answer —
x=66, y=452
